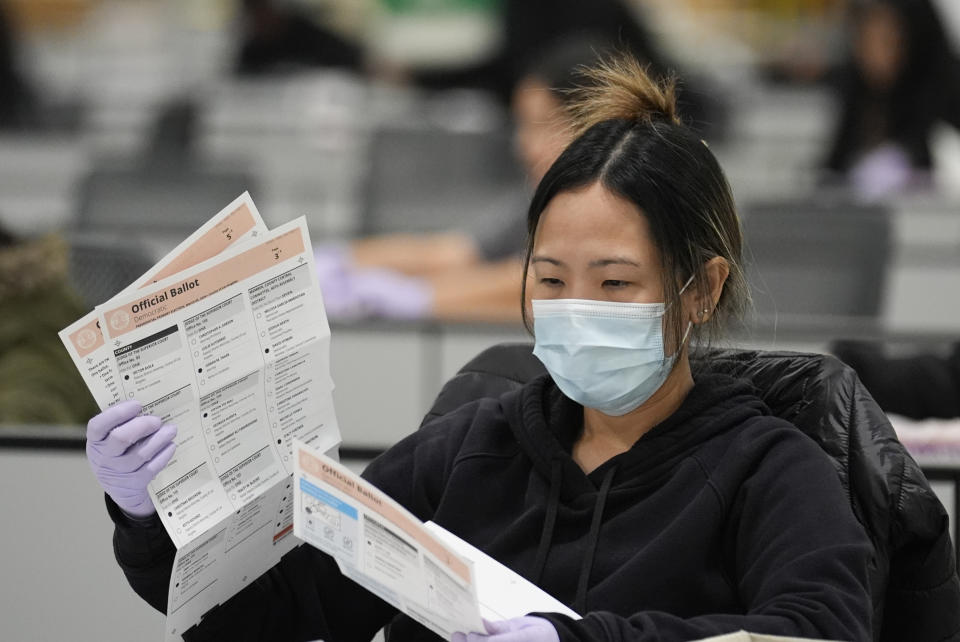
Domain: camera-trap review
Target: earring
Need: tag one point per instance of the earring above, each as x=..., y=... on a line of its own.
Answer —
x=701, y=313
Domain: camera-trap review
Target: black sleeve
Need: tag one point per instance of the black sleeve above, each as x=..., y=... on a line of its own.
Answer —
x=145, y=555
x=796, y=556
x=304, y=597
x=923, y=590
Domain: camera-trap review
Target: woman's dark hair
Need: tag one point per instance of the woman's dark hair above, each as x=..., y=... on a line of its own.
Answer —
x=629, y=138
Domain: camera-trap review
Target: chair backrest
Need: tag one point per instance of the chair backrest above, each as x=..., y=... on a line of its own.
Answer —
x=916, y=592
x=816, y=257
x=149, y=199
x=424, y=179
x=101, y=267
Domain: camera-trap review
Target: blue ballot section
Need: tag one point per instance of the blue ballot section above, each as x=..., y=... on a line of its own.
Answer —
x=328, y=499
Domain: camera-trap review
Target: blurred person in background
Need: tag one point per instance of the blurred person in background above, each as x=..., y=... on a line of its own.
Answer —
x=531, y=27
x=473, y=274
x=38, y=383
x=901, y=79
x=278, y=35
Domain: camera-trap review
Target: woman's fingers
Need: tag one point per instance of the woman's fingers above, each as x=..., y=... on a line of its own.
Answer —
x=122, y=437
x=100, y=425
x=149, y=447
x=161, y=459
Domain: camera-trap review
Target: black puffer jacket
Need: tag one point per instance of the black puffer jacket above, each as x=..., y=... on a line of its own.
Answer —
x=916, y=592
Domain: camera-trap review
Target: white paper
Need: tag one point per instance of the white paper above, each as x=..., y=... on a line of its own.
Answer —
x=503, y=593
x=235, y=352
x=231, y=554
x=227, y=338
x=382, y=546
x=235, y=224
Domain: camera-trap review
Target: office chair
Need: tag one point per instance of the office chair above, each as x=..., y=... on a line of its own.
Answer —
x=430, y=179
x=100, y=267
x=823, y=257
x=916, y=591
x=166, y=191
x=155, y=200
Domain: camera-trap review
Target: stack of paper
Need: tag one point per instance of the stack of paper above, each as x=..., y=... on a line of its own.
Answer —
x=227, y=338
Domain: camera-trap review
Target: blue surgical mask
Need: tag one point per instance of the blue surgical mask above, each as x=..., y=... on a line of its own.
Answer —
x=602, y=354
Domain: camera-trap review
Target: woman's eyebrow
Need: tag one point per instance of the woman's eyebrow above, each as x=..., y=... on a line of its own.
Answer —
x=547, y=259
x=614, y=261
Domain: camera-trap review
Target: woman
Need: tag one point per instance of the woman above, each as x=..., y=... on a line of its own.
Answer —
x=472, y=274
x=901, y=79
x=660, y=505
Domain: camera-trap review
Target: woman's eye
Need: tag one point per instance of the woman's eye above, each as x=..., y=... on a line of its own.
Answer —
x=551, y=281
x=615, y=283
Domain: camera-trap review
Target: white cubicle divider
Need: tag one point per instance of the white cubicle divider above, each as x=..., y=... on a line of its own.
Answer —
x=60, y=581
x=387, y=376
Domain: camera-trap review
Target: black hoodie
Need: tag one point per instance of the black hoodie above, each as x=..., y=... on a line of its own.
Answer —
x=720, y=518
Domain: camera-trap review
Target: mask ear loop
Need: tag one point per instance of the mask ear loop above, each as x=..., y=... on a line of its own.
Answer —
x=686, y=333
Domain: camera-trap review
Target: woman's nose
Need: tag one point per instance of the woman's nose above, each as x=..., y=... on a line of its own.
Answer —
x=577, y=289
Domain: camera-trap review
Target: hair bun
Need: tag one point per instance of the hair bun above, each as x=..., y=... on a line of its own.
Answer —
x=619, y=87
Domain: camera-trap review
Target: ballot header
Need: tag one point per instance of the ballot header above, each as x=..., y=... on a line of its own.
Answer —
x=150, y=304
x=226, y=231
x=365, y=493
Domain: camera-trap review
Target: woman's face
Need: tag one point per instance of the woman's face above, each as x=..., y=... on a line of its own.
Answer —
x=880, y=46
x=592, y=244
x=540, y=134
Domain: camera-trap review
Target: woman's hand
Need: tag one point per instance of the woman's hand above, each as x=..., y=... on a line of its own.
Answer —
x=126, y=450
x=519, y=629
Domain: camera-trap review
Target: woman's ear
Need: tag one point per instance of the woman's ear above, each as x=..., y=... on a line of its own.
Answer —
x=701, y=302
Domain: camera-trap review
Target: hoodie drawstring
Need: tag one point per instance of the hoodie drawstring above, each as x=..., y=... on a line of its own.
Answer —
x=550, y=521
x=580, y=603
x=553, y=506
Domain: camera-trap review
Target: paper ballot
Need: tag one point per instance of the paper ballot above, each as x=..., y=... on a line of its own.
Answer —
x=503, y=593
x=227, y=338
x=235, y=224
x=382, y=546
x=425, y=571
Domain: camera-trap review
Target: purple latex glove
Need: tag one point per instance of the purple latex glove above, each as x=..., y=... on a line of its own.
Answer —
x=351, y=292
x=386, y=293
x=882, y=172
x=126, y=450
x=528, y=628
x=332, y=262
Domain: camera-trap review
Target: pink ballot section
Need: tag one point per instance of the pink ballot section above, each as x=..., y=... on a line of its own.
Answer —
x=151, y=304
x=88, y=338
x=236, y=223
x=214, y=241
